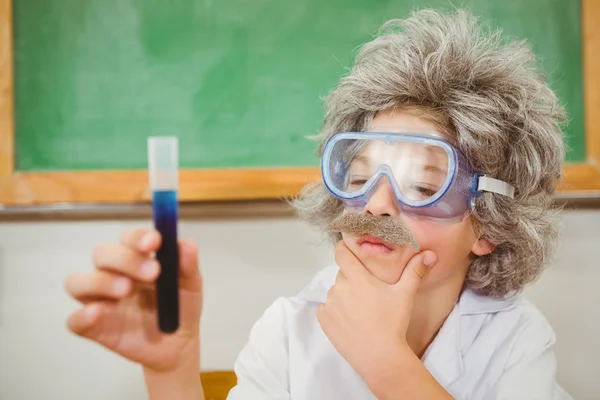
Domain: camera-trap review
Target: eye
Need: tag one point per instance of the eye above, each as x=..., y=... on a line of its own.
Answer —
x=355, y=183
x=358, y=182
x=426, y=192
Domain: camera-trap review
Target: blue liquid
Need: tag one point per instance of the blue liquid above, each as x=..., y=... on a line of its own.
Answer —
x=165, y=213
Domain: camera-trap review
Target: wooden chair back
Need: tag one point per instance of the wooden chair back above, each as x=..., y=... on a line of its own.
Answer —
x=217, y=384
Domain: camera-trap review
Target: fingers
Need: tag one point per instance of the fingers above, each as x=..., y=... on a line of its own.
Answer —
x=146, y=241
x=84, y=321
x=350, y=265
x=414, y=272
x=121, y=267
x=339, y=278
x=188, y=258
x=126, y=261
x=98, y=285
x=189, y=272
x=141, y=240
x=340, y=285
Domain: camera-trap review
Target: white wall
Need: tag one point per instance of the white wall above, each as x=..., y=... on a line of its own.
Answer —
x=247, y=264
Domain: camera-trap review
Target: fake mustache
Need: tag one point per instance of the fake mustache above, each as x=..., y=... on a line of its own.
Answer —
x=391, y=229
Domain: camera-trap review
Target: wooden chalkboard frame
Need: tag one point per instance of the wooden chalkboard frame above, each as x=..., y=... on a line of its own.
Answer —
x=130, y=186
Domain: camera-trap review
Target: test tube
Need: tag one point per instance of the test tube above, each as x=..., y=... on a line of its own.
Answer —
x=163, y=169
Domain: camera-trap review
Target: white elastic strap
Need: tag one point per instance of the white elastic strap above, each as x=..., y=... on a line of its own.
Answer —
x=496, y=186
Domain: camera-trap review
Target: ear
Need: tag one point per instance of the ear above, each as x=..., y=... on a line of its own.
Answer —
x=482, y=247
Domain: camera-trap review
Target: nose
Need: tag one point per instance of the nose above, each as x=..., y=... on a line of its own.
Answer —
x=382, y=202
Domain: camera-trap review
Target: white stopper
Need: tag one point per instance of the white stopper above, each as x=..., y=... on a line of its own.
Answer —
x=163, y=162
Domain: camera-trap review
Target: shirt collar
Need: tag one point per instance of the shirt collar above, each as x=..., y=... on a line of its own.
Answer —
x=471, y=303
x=444, y=357
x=317, y=289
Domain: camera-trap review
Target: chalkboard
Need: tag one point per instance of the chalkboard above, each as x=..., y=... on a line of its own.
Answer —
x=83, y=83
x=240, y=82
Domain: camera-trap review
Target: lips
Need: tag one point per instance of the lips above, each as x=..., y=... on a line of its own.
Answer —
x=370, y=239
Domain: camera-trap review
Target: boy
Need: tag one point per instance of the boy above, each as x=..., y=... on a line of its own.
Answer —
x=440, y=154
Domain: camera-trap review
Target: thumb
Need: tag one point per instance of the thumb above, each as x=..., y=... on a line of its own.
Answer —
x=189, y=271
x=415, y=271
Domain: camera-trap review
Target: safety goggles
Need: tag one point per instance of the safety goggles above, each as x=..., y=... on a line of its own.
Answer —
x=429, y=178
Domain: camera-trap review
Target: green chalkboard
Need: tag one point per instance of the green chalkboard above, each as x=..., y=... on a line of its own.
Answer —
x=238, y=81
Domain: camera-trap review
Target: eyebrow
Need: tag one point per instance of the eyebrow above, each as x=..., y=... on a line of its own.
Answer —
x=426, y=167
x=435, y=169
x=362, y=159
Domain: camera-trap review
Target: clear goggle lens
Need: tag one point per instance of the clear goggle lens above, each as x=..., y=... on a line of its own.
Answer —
x=419, y=171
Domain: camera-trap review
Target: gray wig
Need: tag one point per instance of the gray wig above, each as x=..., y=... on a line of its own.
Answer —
x=498, y=110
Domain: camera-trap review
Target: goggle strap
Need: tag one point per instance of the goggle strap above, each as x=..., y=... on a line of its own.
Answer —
x=495, y=186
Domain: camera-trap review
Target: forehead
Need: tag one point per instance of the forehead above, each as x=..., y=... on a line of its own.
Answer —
x=376, y=151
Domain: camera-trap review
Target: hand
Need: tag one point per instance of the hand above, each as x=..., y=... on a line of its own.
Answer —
x=366, y=319
x=118, y=300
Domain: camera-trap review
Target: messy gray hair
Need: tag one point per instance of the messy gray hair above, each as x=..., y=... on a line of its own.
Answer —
x=493, y=101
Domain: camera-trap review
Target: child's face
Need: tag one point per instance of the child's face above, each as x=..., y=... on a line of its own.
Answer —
x=452, y=243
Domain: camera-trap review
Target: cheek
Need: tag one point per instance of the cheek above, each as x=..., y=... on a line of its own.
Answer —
x=451, y=243
x=346, y=237
x=350, y=241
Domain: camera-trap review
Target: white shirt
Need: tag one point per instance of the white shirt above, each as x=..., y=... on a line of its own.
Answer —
x=486, y=349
